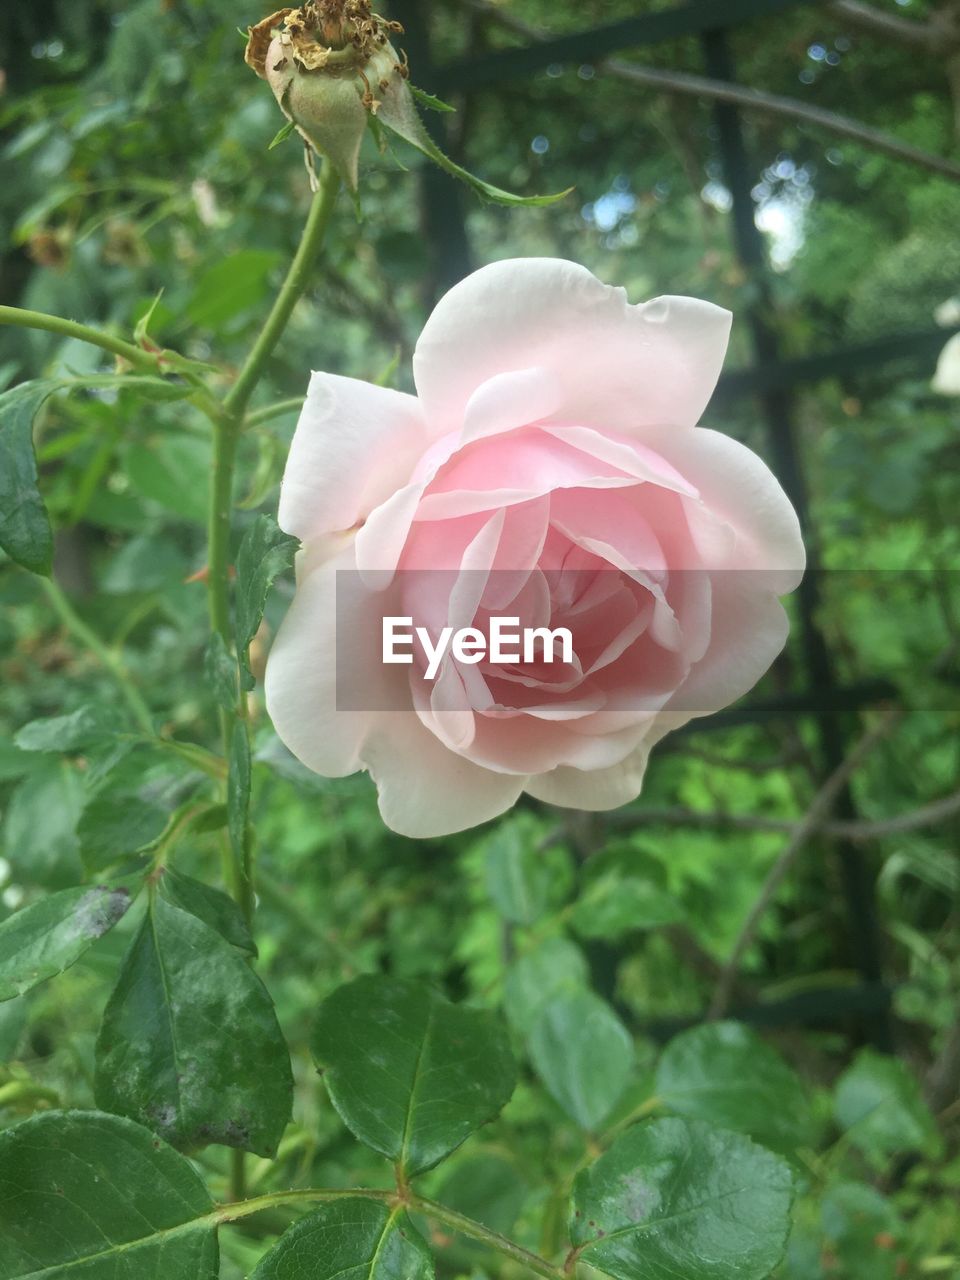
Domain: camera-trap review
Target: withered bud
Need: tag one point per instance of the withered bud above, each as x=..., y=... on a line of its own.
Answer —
x=331, y=66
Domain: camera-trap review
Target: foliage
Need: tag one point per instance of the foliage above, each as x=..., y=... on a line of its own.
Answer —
x=221, y=978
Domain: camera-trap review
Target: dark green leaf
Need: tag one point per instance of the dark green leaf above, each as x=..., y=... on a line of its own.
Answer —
x=677, y=1198
x=429, y=100
x=84, y=727
x=265, y=552
x=114, y=826
x=210, y=905
x=555, y=966
x=879, y=1102
x=411, y=1074
x=354, y=1238
x=25, y=533
x=724, y=1073
x=583, y=1054
x=282, y=134
x=190, y=1044
x=518, y=874
x=13, y=1020
x=47, y=937
x=89, y=1195
x=220, y=672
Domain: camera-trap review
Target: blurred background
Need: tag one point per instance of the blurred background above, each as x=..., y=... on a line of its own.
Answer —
x=792, y=862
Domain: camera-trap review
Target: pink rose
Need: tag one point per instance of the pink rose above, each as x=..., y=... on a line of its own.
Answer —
x=549, y=469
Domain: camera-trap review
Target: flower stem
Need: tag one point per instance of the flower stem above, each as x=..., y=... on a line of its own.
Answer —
x=476, y=1231
x=134, y=355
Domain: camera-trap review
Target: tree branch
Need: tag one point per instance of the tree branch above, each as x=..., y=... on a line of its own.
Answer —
x=756, y=100
x=890, y=26
x=811, y=823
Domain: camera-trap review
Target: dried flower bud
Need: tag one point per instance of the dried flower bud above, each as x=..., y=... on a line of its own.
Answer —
x=331, y=67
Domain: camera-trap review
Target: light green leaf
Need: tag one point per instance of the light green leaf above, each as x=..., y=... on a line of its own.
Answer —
x=554, y=967
x=190, y=1044
x=282, y=134
x=398, y=113
x=13, y=1020
x=88, y=1195
x=613, y=905
x=724, y=1073
x=411, y=1074
x=518, y=874
x=47, y=937
x=173, y=470
x=25, y=533
x=210, y=905
x=40, y=826
x=583, y=1054
x=879, y=1103
x=230, y=287
x=88, y=725
x=429, y=100
x=675, y=1198
x=265, y=552
x=355, y=1238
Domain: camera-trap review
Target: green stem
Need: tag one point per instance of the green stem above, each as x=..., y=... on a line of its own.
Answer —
x=467, y=1227
x=256, y=417
x=134, y=355
x=112, y=661
x=298, y=277
x=418, y=1204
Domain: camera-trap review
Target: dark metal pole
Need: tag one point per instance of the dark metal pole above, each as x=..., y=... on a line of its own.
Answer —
x=777, y=404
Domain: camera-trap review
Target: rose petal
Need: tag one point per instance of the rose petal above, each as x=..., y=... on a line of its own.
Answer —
x=619, y=366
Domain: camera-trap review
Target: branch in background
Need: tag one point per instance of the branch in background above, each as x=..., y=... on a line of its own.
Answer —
x=934, y=36
x=927, y=815
x=808, y=826
x=756, y=100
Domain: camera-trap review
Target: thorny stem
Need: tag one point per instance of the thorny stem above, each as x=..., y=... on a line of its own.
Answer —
x=140, y=359
x=227, y=425
x=419, y=1204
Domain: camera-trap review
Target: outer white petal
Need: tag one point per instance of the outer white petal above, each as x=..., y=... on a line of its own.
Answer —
x=618, y=366
x=596, y=789
x=425, y=789
x=355, y=444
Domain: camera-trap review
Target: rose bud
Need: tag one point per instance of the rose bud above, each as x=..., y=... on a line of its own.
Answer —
x=333, y=71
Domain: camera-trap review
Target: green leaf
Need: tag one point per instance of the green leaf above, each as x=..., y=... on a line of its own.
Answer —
x=238, y=791
x=429, y=100
x=879, y=1103
x=220, y=672
x=88, y=725
x=88, y=1195
x=47, y=937
x=355, y=1238
x=40, y=826
x=411, y=1074
x=398, y=113
x=613, y=905
x=265, y=552
x=112, y=827
x=517, y=872
x=13, y=1020
x=210, y=905
x=190, y=1044
x=173, y=470
x=583, y=1054
x=724, y=1073
x=282, y=134
x=25, y=533
x=554, y=967
x=675, y=1198
x=230, y=287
